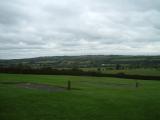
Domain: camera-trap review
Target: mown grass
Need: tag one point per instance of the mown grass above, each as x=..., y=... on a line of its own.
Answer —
x=95, y=98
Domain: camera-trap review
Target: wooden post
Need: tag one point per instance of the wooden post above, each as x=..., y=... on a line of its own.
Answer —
x=69, y=85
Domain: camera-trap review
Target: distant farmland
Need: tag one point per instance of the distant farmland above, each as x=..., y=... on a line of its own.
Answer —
x=88, y=61
x=99, y=64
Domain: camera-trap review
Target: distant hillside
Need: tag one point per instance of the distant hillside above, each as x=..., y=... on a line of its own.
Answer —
x=86, y=61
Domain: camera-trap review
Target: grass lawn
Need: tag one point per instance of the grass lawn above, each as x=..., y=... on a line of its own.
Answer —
x=93, y=98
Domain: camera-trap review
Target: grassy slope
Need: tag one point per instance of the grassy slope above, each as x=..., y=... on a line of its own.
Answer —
x=85, y=61
x=95, y=99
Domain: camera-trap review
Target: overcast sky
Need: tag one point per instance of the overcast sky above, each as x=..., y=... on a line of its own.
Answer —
x=31, y=28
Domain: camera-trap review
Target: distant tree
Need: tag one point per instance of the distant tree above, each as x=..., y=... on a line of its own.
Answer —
x=75, y=68
x=118, y=66
x=98, y=69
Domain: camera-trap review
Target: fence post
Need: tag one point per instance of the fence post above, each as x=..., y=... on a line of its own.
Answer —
x=69, y=85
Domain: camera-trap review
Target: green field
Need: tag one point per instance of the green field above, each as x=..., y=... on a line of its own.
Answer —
x=139, y=71
x=92, y=98
x=145, y=72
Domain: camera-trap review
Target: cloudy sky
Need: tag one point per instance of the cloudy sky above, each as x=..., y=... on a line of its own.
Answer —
x=31, y=28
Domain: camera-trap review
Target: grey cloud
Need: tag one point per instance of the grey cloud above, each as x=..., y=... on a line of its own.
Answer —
x=74, y=27
x=11, y=13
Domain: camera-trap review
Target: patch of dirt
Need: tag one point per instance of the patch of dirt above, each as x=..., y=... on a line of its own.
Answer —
x=46, y=87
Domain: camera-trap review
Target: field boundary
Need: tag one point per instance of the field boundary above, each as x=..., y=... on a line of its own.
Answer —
x=77, y=73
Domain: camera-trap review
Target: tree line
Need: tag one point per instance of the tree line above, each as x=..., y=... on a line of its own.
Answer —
x=73, y=71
